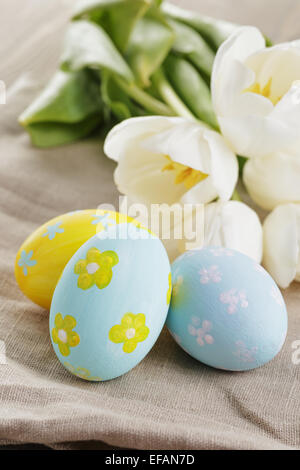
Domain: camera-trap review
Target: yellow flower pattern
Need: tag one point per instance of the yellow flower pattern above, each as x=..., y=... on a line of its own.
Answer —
x=63, y=335
x=169, y=289
x=81, y=372
x=131, y=331
x=95, y=269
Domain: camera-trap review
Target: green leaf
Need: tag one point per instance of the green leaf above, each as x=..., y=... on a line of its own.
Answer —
x=191, y=87
x=116, y=100
x=52, y=134
x=88, y=45
x=68, y=109
x=190, y=44
x=150, y=42
x=117, y=17
x=212, y=30
x=169, y=95
x=68, y=97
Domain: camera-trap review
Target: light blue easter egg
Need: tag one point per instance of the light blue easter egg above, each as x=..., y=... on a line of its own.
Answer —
x=111, y=303
x=226, y=310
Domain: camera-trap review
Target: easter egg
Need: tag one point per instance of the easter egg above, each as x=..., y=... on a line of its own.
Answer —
x=111, y=303
x=226, y=310
x=44, y=254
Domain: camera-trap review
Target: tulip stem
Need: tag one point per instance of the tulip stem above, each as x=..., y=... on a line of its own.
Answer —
x=151, y=104
x=169, y=95
x=236, y=196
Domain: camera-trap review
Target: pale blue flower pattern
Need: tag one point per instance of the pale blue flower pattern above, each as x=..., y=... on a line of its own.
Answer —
x=104, y=220
x=25, y=260
x=52, y=230
x=244, y=353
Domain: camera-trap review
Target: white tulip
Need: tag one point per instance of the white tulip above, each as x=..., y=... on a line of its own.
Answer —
x=273, y=180
x=256, y=94
x=282, y=244
x=169, y=160
x=232, y=225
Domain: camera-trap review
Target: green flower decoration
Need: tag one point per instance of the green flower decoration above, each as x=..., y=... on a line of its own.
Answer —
x=95, y=269
x=131, y=331
x=63, y=334
x=82, y=373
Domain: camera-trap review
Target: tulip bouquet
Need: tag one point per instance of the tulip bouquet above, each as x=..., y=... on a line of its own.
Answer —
x=192, y=103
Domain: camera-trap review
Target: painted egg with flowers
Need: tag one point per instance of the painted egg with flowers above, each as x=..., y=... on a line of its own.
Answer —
x=226, y=310
x=44, y=254
x=111, y=302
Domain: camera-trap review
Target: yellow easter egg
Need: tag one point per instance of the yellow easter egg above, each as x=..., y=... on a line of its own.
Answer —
x=44, y=254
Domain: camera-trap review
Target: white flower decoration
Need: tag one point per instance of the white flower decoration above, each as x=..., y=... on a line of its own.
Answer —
x=211, y=274
x=201, y=334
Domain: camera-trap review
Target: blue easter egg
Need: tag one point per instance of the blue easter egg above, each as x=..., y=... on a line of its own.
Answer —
x=111, y=303
x=226, y=310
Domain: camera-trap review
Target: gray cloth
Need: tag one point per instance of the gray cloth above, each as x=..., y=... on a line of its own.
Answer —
x=169, y=401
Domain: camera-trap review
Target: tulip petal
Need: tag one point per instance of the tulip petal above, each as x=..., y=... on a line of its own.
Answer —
x=128, y=131
x=140, y=174
x=234, y=225
x=281, y=63
x=223, y=173
x=256, y=94
x=281, y=243
x=168, y=160
x=273, y=180
x=288, y=111
x=224, y=165
x=184, y=144
x=240, y=45
x=256, y=136
x=203, y=192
